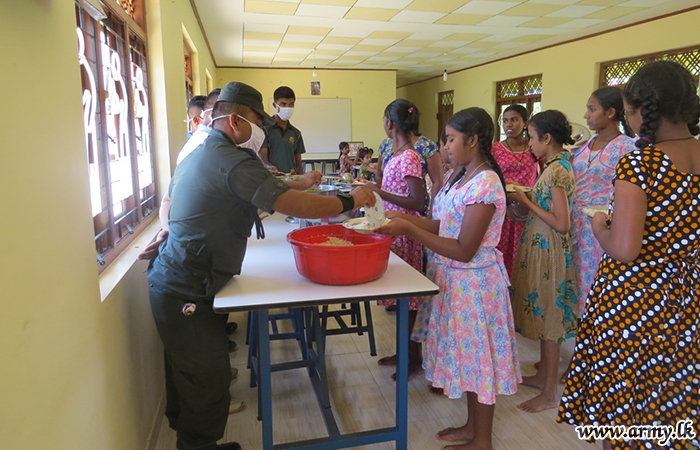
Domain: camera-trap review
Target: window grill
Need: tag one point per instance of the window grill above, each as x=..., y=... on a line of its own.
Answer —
x=618, y=72
x=116, y=117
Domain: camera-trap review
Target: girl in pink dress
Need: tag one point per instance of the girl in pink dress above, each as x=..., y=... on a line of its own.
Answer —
x=471, y=344
x=519, y=167
x=402, y=190
x=345, y=162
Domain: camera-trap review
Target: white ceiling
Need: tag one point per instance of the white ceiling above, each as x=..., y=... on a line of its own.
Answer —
x=417, y=38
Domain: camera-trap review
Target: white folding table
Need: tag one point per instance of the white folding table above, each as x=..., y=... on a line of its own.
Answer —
x=269, y=279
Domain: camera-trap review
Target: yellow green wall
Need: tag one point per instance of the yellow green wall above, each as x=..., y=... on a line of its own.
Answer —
x=569, y=71
x=369, y=90
x=77, y=373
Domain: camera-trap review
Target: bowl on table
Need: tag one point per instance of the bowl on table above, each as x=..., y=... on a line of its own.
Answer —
x=323, y=189
x=365, y=260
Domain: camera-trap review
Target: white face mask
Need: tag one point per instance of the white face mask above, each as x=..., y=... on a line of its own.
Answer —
x=203, y=116
x=285, y=113
x=257, y=135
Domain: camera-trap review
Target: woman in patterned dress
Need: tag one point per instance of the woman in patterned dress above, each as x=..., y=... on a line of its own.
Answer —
x=519, y=167
x=594, y=170
x=636, y=358
x=544, y=294
x=345, y=162
x=403, y=190
x=470, y=345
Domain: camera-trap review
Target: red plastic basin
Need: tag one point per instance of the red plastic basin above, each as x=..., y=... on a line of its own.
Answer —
x=338, y=265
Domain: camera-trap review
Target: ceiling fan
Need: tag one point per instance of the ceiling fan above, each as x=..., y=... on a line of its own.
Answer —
x=579, y=134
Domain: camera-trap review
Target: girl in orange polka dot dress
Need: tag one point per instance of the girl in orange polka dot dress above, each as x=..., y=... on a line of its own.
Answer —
x=636, y=358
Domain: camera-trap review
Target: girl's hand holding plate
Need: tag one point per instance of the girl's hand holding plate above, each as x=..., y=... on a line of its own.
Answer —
x=599, y=221
x=393, y=215
x=397, y=227
x=518, y=196
x=372, y=186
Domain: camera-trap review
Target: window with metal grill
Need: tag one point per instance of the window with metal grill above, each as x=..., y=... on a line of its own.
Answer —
x=116, y=116
x=618, y=72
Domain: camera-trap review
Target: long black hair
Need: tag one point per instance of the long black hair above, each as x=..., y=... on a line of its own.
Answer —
x=405, y=115
x=611, y=97
x=555, y=123
x=476, y=121
x=663, y=89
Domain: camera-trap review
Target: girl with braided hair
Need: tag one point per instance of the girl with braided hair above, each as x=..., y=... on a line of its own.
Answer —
x=470, y=346
x=544, y=297
x=635, y=360
x=402, y=189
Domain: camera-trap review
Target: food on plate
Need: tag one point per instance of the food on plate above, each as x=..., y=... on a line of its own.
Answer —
x=593, y=210
x=332, y=240
x=362, y=225
x=511, y=188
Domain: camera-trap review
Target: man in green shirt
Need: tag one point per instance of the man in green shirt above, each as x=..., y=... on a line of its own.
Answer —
x=283, y=145
x=214, y=197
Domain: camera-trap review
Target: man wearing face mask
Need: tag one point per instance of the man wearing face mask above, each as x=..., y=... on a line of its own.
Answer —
x=202, y=131
x=215, y=194
x=284, y=145
x=194, y=114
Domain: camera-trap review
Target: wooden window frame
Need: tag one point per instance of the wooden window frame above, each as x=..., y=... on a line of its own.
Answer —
x=443, y=118
x=114, y=232
x=643, y=59
x=520, y=97
x=189, y=84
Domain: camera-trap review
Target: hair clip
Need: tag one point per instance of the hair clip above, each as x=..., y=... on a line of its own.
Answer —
x=410, y=110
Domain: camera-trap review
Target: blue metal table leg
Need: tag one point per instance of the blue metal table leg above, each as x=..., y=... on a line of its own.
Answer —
x=319, y=378
x=355, y=316
x=264, y=380
x=253, y=350
x=402, y=374
x=298, y=321
x=370, y=329
x=249, y=324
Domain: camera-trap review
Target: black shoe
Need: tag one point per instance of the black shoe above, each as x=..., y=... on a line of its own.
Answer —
x=390, y=308
x=229, y=446
x=232, y=346
x=231, y=327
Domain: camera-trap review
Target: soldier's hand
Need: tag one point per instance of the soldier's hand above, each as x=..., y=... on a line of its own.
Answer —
x=363, y=197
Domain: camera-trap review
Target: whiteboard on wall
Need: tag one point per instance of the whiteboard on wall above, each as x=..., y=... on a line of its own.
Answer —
x=323, y=122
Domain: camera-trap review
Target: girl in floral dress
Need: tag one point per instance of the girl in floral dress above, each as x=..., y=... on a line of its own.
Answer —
x=345, y=162
x=544, y=291
x=594, y=169
x=403, y=190
x=519, y=167
x=470, y=347
x=636, y=357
